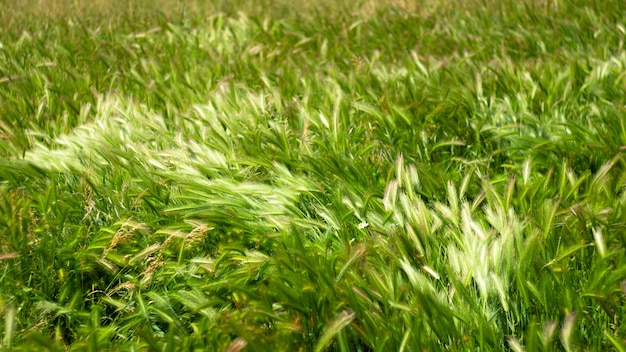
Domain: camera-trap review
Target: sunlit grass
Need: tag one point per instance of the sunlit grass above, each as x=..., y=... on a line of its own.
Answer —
x=397, y=176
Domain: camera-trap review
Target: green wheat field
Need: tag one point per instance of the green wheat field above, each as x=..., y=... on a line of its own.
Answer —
x=363, y=175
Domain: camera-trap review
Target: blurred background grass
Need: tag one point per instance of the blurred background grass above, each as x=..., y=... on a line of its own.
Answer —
x=175, y=9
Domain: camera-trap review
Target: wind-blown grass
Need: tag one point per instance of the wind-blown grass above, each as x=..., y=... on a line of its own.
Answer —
x=377, y=178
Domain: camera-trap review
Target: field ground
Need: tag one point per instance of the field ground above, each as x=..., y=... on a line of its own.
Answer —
x=369, y=176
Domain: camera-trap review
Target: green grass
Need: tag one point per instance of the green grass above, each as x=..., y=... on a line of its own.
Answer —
x=409, y=176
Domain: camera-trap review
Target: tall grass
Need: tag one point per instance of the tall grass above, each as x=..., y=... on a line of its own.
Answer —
x=403, y=177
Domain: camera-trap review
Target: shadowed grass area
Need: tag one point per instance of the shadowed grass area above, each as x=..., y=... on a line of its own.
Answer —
x=372, y=176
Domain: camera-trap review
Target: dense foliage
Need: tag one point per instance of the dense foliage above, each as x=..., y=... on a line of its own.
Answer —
x=439, y=175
